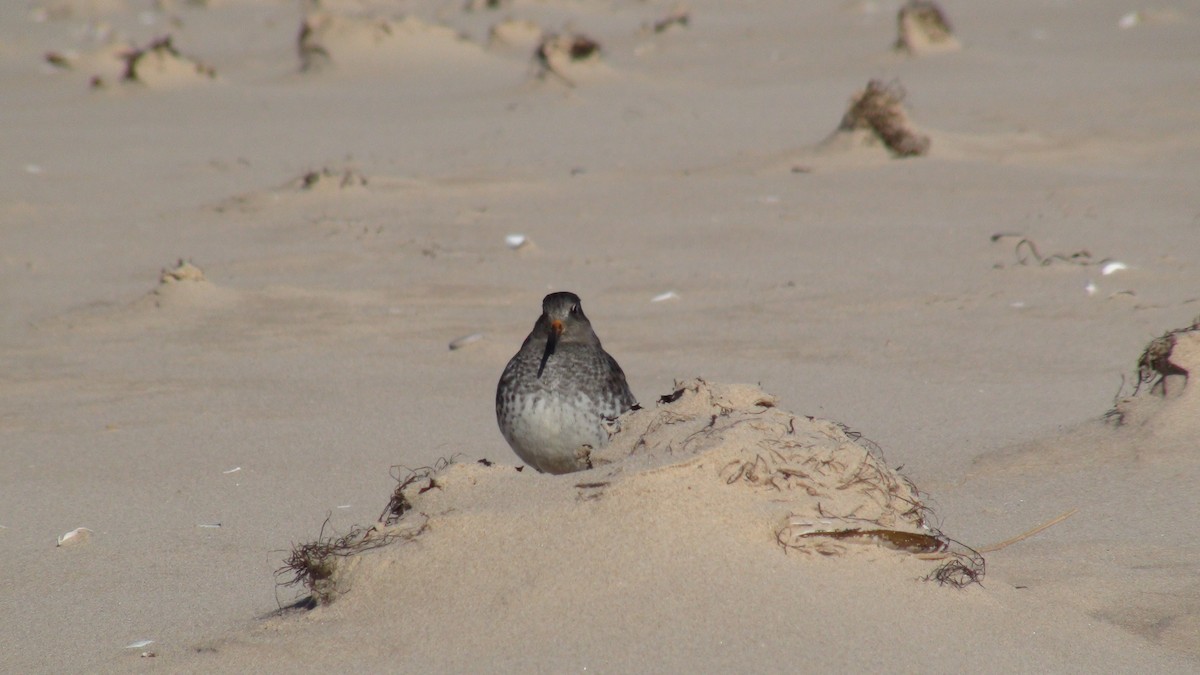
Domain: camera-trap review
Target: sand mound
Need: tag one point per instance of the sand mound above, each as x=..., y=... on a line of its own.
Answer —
x=819, y=478
x=1158, y=422
x=184, y=286
x=61, y=10
x=924, y=29
x=1165, y=403
x=518, y=35
x=327, y=39
x=570, y=58
x=709, y=461
x=161, y=64
x=158, y=64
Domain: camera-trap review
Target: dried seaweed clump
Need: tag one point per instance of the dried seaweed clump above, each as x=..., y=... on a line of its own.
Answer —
x=964, y=566
x=327, y=178
x=1154, y=365
x=317, y=565
x=313, y=54
x=880, y=109
x=1165, y=366
x=923, y=28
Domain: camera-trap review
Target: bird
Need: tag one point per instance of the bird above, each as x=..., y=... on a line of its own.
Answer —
x=557, y=392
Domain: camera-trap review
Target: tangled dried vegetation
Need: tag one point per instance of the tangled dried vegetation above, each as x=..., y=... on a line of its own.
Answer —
x=314, y=564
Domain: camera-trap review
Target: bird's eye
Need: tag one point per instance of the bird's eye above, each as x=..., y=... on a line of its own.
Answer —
x=574, y=309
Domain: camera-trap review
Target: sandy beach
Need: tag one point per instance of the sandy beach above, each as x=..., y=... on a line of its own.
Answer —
x=239, y=237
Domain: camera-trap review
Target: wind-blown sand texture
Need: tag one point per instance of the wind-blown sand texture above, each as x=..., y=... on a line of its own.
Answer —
x=230, y=282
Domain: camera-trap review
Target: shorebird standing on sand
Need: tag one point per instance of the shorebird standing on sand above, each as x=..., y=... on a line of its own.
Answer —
x=556, y=393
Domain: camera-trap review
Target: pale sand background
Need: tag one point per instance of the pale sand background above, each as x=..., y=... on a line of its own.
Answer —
x=865, y=290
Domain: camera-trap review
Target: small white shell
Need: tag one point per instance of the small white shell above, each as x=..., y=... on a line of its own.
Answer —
x=1090, y=287
x=75, y=536
x=515, y=241
x=139, y=644
x=459, y=343
x=1113, y=266
x=669, y=295
x=211, y=526
x=1130, y=20
x=233, y=470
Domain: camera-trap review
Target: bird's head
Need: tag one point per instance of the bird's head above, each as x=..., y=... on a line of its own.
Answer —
x=564, y=320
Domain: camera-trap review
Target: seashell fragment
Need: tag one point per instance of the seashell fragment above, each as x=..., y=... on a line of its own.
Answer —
x=78, y=535
x=662, y=297
x=465, y=340
x=1111, y=267
x=139, y=644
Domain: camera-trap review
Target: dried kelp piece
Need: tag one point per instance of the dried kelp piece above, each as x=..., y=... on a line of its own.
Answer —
x=484, y=5
x=880, y=109
x=923, y=28
x=313, y=55
x=58, y=60
x=797, y=533
x=1027, y=253
x=678, y=16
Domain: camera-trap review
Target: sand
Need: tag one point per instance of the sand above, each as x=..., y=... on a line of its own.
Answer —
x=229, y=286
